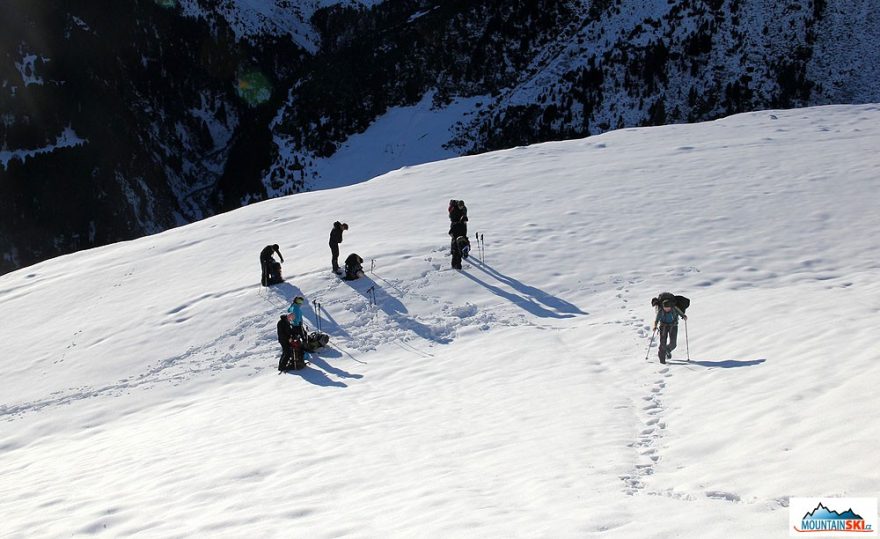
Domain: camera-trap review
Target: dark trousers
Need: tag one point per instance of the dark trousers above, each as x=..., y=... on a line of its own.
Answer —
x=285, y=355
x=264, y=266
x=456, y=257
x=334, y=249
x=456, y=254
x=298, y=332
x=670, y=332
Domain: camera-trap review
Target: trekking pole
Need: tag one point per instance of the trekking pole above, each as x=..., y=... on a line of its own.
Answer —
x=482, y=248
x=686, y=342
x=652, y=342
x=317, y=315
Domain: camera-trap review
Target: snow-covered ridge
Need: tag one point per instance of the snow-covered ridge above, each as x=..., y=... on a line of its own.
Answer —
x=67, y=139
x=511, y=399
x=253, y=18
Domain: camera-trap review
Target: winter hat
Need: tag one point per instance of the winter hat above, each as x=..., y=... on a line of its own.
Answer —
x=299, y=300
x=667, y=303
x=344, y=226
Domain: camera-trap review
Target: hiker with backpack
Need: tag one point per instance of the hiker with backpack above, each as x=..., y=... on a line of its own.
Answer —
x=335, y=240
x=353, y=267
x=284, y=328
x=296, y=322
x=669, y=308
x=271, y=269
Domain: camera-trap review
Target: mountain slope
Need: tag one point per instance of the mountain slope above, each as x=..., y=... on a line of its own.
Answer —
x=509, y=399
x=133, y=119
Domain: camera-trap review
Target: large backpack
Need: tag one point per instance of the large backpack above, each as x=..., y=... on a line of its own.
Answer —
x=299, y=356
x=316, y=340
x=275, y=273
x=679, y=301
x=456, y=213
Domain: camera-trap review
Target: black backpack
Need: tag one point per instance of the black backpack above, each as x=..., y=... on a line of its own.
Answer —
x=679, y=301
x=316, y=340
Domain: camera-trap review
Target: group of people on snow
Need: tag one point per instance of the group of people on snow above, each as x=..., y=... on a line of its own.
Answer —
x=292, y=336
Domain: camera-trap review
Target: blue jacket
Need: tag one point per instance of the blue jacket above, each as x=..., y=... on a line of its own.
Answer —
x=296, y=309
x=670, y=318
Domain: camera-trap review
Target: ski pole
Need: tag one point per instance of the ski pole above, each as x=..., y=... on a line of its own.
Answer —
x=686, y=342
x=650, y=343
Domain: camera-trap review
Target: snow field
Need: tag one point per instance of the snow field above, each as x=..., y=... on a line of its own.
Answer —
x=510, y=399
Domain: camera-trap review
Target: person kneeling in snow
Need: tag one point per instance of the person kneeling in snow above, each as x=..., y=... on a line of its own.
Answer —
x=353, y=267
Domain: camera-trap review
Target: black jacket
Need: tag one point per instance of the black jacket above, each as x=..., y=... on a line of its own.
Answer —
x=353, y=261
x=336, y=233
x=266, y=253
x=284, y=330
x=458, y=229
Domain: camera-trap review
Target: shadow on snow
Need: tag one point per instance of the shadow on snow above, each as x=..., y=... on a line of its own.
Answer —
x=395, y=309
x=725, y=364
x=532, y=299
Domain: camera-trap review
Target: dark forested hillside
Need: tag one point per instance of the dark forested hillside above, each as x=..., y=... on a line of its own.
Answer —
x=121, y=119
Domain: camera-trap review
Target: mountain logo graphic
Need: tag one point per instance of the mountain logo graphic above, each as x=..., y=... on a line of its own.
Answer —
x=823, y=519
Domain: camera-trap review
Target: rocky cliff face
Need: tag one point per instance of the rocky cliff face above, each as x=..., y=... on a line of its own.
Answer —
x=127, y=118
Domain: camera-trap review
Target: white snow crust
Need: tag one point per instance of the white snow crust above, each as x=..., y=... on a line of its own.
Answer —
x=511, y=399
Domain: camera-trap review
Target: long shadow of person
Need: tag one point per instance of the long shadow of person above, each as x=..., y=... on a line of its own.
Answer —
x=317, y=376
x=319, y=362
x=525, y=303
x=395, y=309
x=282, y=294
x=535, y=294
x=727, y=363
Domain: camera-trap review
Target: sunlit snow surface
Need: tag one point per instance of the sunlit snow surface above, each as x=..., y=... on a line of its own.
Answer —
x=511, y=399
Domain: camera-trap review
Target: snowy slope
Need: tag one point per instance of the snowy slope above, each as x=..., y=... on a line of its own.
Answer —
x=250, y=19
x=510, y=399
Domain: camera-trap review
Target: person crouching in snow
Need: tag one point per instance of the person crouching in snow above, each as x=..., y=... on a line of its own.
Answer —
x=353, y=267
x=667, y=320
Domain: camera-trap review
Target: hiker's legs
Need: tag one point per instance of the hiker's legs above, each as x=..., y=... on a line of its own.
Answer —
x=661, y=350
x=285, y=356
x=334, y=250
x=264, y=266
x=673, y=337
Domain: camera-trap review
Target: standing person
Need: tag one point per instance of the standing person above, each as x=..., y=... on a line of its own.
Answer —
x=667, y=319
x=296, y=323
x=284, y=340
x=458, y=229
x=266, y=261
x=335, y=240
